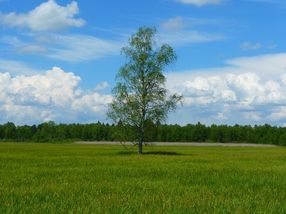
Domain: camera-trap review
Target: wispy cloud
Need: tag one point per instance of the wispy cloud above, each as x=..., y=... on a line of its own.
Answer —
x=200, y=3
x=180, y=31
x=16, y=68
x=183, y=22
x=281, y=4
x=249, y=46
x=78, y=48
x=64, y=47
x=269, y=1
x=246, y=46
x=186, y=37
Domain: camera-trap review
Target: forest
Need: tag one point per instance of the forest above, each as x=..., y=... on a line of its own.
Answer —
x=52, y=132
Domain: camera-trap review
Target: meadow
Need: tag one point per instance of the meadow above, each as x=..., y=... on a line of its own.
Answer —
x=69, y=178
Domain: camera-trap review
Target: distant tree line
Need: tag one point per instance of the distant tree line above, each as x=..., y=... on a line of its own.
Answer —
x=52, y=132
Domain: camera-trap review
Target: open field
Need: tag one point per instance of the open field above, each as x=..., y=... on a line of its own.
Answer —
x=50, y=178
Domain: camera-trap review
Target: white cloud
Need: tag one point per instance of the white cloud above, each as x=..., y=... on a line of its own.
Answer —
x=101, y=86
x=54, y=95
x=204, y=91
x=48, y=16
x=200, y=3
x=246, y=90
x=93, y=102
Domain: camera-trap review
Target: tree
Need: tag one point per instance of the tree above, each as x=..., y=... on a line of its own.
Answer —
x=140, y=94
x=9, y=131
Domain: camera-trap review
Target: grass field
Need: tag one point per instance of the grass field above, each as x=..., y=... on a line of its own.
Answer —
x=49, y=178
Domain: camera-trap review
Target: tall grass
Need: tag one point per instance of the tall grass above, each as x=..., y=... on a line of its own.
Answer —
x=45, y=178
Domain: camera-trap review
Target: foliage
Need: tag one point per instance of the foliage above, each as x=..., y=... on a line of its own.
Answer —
x=52, y=132
x=140, y=94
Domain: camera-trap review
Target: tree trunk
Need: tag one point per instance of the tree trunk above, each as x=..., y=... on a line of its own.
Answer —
x=141, y=140
x=140, y=148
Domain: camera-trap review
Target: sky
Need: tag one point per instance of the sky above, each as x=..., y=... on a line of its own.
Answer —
x=59, y=58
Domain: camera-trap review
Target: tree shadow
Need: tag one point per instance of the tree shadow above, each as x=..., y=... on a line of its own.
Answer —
x=165, y=153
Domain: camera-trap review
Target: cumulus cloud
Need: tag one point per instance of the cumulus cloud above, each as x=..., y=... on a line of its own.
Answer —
x=249, y=89
x=48, y=16
x=200, y=3
x=53, y=95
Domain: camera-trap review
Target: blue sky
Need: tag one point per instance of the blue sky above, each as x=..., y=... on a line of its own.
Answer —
x=58, y=59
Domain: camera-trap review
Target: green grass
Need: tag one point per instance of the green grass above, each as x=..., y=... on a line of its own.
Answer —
x=50, y=178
